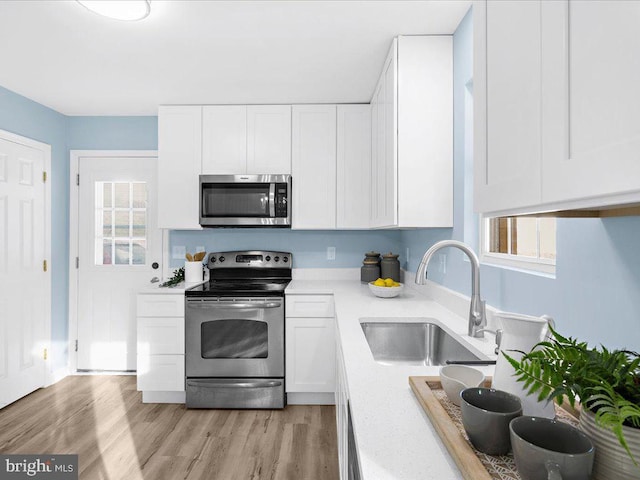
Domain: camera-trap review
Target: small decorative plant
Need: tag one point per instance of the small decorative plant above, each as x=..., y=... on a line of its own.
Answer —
x=607, y=382
x=178, y=276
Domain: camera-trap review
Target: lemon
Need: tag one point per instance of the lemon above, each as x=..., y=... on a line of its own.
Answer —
x=379, y=283
x=388, y=282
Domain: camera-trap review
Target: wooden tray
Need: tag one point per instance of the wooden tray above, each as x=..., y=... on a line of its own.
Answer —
x=445, y=417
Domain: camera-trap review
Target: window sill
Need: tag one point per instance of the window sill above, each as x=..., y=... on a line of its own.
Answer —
x=533, y=267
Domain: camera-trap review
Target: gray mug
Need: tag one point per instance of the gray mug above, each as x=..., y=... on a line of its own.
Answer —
x=486, y=414
x=547, y=449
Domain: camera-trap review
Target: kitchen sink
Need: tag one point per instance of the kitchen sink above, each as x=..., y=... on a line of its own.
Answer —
x=412, y=343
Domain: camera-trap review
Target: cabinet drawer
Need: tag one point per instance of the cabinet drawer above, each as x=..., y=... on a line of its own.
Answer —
x=309, y=306
x=160, y=305
x=161, y=372
x=160, y=335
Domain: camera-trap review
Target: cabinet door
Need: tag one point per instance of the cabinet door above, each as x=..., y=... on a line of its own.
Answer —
x=507, y=104
x=179, y=164
x=268, y=139
x=314, y=167
x=161, y=372
x=353, y=166
x=384, y=166
x=592, y=145
x=224, y=139
x=310, y=355
x=425, y=131
x=342, y=414
x=160, y=335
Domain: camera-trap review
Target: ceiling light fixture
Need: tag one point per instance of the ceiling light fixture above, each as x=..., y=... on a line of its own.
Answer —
x=119, y=9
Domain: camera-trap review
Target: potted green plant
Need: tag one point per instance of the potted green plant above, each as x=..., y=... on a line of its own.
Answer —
x=606, y=382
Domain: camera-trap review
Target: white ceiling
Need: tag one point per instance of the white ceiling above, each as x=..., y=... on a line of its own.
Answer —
x=206, y=52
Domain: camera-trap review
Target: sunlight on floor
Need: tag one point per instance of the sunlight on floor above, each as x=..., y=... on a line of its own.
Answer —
x=114, y=436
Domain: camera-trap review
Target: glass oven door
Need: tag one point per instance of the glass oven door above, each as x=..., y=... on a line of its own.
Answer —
x=234, y=337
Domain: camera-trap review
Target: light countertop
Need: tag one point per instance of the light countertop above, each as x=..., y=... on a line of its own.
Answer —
x=179, y=289
x=394, y=437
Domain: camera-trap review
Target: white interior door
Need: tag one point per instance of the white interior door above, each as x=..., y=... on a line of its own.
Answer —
x=120, y=251
x=24, y=299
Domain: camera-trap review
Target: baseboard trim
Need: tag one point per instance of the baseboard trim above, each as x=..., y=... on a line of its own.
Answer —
x=311, y=398
x=163, y=397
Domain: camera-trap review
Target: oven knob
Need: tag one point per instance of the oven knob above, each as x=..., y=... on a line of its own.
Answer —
x=221, y=259
x=285, y=259
x=267, y=258
x=212, y=259
x=276, y=259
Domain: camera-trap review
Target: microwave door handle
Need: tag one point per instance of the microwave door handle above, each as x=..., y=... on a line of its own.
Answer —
x=272, y=200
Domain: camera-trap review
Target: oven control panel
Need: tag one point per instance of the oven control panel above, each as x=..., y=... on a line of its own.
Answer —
x=252, y=259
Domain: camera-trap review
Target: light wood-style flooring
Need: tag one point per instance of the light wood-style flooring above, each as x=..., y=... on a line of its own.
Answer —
x=103, y=420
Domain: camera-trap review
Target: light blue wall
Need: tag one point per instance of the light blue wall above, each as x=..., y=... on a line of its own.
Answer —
x=113, y=133
x=596, y=293
x=309, y=248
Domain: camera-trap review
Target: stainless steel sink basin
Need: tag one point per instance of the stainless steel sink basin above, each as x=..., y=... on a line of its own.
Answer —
x=412, y=343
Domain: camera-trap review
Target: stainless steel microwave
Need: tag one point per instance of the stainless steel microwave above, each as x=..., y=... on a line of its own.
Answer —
x=245, y=200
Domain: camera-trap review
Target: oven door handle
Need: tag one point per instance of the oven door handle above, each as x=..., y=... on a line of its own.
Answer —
x=235, y=305
x=228, y=384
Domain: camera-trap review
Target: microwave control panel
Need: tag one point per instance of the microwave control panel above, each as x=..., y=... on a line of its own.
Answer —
x=281, y=200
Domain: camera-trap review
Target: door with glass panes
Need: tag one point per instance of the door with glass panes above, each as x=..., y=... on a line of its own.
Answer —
x=120, y=251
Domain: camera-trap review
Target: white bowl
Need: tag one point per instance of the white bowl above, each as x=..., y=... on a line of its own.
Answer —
x=455, y=378
x=385, y=292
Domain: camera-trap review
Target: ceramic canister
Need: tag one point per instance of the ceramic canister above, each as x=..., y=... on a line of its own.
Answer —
x=370, y=269
x=390, y=266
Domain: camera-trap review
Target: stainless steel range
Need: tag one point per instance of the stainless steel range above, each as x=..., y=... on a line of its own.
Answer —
x=234, y=333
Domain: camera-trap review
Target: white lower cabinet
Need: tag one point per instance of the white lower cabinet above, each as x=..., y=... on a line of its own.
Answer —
x=342, y=414
x=310, y=349
x=160, y=343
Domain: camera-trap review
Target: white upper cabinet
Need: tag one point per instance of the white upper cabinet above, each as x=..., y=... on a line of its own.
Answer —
x=412, y=135
x=592, y=147
x=384, y=198
x=313, y=169
x=268, y=139
x=507, y=93
x=353, y=166
x=179, y=164
x=239, y=139
x=224, y=139
x=557, y=108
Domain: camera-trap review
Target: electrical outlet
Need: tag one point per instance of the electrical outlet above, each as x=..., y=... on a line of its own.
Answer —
x=406, y=258
x=331, y=253
x=178, y=252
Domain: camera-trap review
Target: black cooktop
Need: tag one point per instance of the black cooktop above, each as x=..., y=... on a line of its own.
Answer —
x=246, y=273
x=227, y=288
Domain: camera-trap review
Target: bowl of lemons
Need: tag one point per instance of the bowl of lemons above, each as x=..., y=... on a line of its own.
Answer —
x=385, y=288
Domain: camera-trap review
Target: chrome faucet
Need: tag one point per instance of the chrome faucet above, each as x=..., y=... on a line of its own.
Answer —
x=477, y=315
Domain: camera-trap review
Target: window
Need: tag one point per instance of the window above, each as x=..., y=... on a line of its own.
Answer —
x=121, y=219
x=523, y=242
